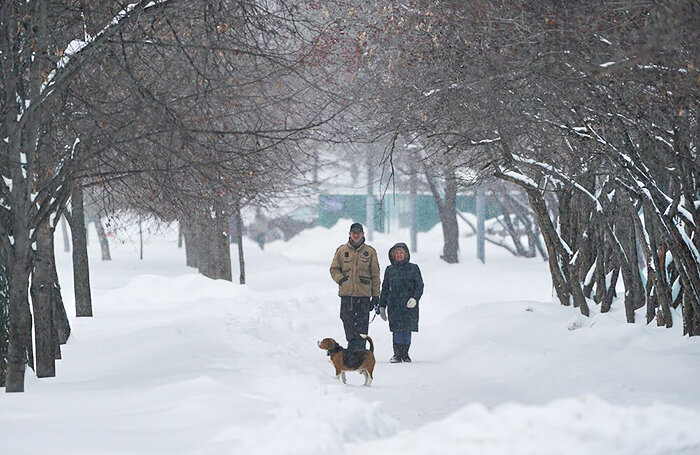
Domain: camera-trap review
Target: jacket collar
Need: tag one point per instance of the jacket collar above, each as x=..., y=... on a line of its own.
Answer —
x=356, y=246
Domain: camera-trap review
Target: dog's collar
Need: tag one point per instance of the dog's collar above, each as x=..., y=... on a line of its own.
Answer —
x=335, y=349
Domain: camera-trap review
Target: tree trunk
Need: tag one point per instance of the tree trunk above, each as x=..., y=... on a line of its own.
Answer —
x=101, y=236
x=550, y=237
x=600, y=265
x=447, y=208
x=609, y=290
x=662, y=290
x=66, y=237
x=450, y=232
x=221, y=245
x=569, y=209
x=60, y=322
x=81, y=270
x=60, y=317
x=42, y=292
x=508, y=213
x=188, y=232
x=19, y=351
x=4, y=318
x=208, y=246
x=537, y=240
x=239, y=235
x=624, y=267
x=691, y=318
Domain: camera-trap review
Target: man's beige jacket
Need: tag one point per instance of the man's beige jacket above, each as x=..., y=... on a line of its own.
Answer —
x=361, y=268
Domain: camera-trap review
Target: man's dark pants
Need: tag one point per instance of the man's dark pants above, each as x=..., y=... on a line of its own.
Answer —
x=354, y=312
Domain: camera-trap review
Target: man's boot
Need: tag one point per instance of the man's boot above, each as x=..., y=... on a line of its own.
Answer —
x=397, y=354
x=404, y=353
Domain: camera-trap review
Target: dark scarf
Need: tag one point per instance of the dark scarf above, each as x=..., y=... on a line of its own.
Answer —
x=356, y=245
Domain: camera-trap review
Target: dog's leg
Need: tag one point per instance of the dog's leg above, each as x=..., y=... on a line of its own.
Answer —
x=368, y=378
x=342, y=376
x=337, y=371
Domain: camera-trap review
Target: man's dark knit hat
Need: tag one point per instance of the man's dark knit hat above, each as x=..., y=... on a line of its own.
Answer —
x=356, y=227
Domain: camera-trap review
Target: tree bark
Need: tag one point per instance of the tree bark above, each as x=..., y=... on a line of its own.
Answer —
x=447, y=208
x=221, y=245
x=549, y=234
x=60, y=322
x=19, y=351
x=81, y=270
x=66, y=237
x=101, y=236
x=207, y=244
x=624, y=266
x=42, y=292
x=239, y=235
x=188, y=232
x=609, y=290
x=4, y=317
x=600, y=265
x=662, y=290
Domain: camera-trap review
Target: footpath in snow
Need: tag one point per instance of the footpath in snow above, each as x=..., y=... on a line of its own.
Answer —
x=173, y=362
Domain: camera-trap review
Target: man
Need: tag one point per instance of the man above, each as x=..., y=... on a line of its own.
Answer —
x=356, y=270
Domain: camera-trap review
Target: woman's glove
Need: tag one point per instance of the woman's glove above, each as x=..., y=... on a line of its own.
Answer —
x=411, y=302
x=382, y=312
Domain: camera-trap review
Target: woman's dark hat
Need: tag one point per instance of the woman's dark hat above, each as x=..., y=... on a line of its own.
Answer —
x=356, y=227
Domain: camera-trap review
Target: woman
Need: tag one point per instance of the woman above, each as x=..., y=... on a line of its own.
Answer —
x=402, y=288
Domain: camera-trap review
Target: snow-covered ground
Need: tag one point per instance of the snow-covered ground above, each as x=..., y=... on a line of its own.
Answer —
x=174, y=363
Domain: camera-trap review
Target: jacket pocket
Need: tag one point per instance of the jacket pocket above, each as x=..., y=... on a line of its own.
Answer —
x=365, y=280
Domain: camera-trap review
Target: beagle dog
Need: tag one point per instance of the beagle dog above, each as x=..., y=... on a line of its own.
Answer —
x=344, y=360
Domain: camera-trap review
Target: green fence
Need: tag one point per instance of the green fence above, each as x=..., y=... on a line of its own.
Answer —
x=332, y=207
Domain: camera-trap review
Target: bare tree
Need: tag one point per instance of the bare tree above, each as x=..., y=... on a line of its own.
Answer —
x=588, y=108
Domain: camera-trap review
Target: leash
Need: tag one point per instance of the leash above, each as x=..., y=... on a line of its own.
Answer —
x=376, y=312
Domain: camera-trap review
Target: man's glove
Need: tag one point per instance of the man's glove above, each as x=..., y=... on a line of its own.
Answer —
x=411, y=302
x=375, y=301
x=342, y=280
x=382, y=312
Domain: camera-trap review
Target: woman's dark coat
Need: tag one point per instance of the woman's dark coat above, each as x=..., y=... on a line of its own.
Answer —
x=401, y=282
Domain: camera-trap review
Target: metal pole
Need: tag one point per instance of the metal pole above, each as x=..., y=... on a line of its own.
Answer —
x=369, y=205
x=140, y=241
x=480, y=230
x=414, y=212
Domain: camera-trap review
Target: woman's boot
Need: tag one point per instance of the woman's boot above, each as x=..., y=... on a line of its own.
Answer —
x=397, y=354
x=404, y=353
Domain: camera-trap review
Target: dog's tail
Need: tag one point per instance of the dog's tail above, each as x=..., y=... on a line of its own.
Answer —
x=368, y=338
